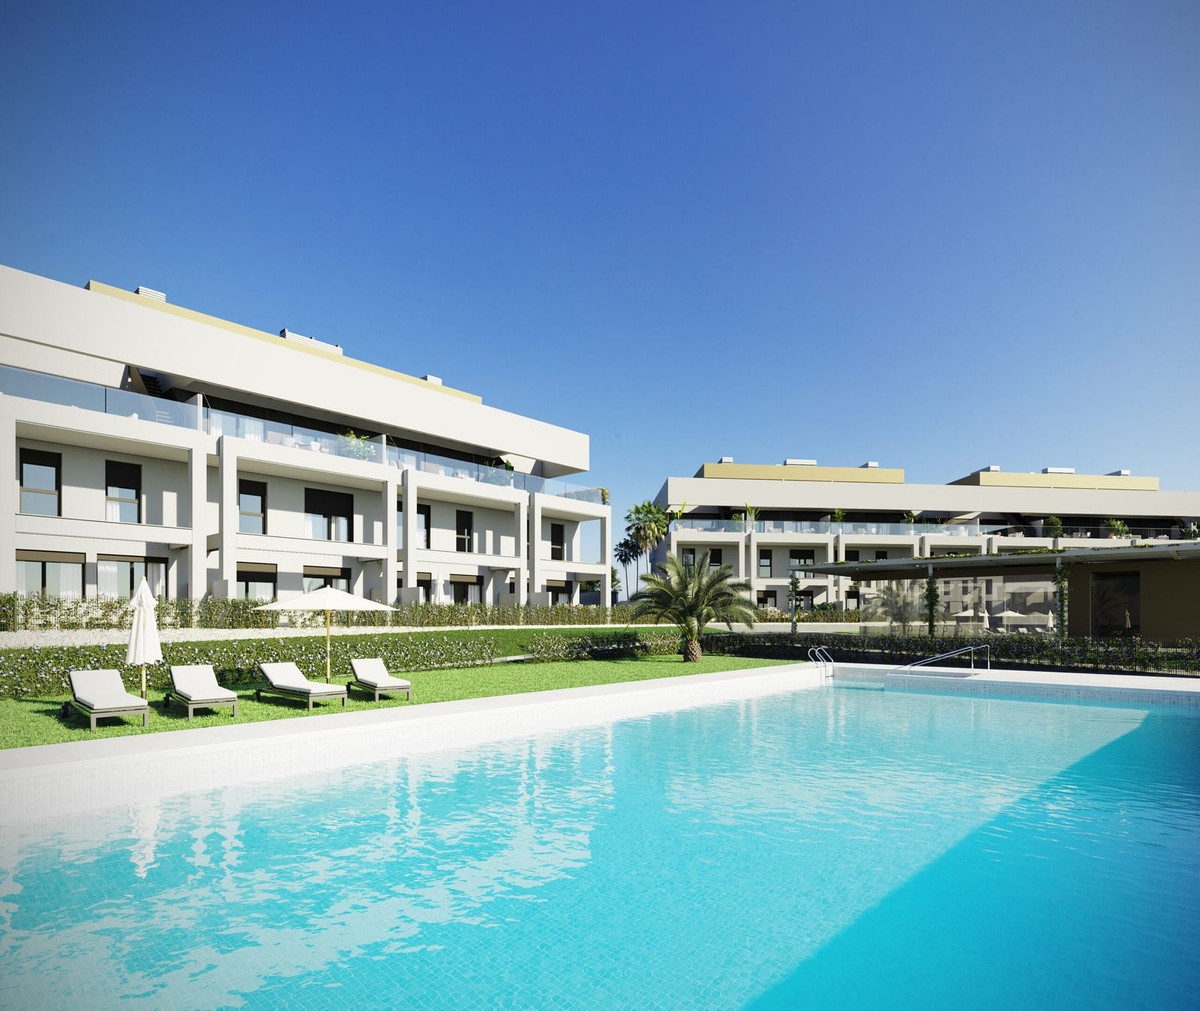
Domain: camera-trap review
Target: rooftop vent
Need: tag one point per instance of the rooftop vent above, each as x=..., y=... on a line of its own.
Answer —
x=1118, y=473
x=991, y=468
x=725, y=459
x=870, y=465
x=1058, y=470
x=312, y=342
x=158, y=296
x=432, y=380
x=799, y=463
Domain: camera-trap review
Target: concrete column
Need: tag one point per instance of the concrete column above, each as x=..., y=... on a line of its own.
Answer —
x=606, y=559
x=521, y=516
x=227, y=469
x=9, y=504
x=391, y=562
x=837, y=553
x=536, y=579
x=197, y=564
x=408, y=551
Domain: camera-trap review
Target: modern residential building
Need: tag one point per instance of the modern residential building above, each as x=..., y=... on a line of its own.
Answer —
x=144, y=438
x=768, y=521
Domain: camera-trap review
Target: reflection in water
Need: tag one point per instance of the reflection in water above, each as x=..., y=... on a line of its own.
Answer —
x=689, y=858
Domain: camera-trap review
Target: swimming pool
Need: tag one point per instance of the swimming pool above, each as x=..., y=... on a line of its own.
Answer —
x=824, y=847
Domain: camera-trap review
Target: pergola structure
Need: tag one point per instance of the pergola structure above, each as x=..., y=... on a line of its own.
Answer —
x=1151, y=589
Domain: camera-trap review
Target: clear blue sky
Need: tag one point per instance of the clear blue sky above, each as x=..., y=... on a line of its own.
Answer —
x=937, y=235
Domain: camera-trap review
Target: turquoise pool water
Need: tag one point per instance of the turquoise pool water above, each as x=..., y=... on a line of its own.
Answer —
x=823, y=848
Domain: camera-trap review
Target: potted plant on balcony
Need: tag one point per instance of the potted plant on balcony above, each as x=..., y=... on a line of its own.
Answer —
x=1052, y=526
x=1117, y=528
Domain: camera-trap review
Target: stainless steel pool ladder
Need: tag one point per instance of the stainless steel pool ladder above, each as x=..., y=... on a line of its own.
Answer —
x=820, y=656
x=986, y=647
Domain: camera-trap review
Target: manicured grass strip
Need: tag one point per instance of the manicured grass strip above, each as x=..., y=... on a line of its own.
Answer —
x=27, y=722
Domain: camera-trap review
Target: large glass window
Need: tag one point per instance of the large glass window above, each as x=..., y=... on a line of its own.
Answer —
x=328, y=515
x=256, y=585
x=466, y=593
x=41, y=482
x=715, y=559
x=464, y=530
x=424, y=525
x=764, y=564
x=41, y=577
x=124, y=495
x=319, y=577
x=688, y=557
x=558, y=542
x=800, y=558
x=120, y=577
x=1116, y=603
x=252, y=507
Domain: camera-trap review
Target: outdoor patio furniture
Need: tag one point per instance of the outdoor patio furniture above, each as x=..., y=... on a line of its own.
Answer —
x=195, y=685
x=285, y=679
x=372, y=676
x=100, y=693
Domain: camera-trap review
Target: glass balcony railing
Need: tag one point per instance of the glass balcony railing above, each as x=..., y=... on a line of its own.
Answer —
x=106, y=400
x=278, y=433
x=826, y=528
x=94, y=397
x=432, y=463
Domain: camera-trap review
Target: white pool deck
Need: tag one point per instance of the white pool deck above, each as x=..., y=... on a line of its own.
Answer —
x=55, y=780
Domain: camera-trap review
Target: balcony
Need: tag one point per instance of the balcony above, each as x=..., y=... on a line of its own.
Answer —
x=432, y=463
x=16, y=382
x=822, y=528
x=122, y=403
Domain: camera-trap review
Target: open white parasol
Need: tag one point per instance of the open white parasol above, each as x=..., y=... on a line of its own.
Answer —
x=326, y=599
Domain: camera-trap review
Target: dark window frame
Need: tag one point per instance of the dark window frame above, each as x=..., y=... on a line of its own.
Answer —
x=331, y=505
x=116, y=475
x=464, y=531
x=427, y=512
x=244, y=577
x=558, y=542
x=40, y=458
x=768, y=556
x=246, y=486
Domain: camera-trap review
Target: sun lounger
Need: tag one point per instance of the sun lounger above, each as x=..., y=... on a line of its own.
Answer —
x=195, y=685
x=100, y=693
x=372, y=676
x=285, y=679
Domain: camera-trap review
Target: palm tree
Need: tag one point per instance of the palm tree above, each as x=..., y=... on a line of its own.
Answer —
x=626, y=551
x=690, y=596
x=647, y=524
x=895, y=603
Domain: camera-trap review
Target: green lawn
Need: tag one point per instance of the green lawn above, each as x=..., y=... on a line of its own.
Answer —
x=26, y=722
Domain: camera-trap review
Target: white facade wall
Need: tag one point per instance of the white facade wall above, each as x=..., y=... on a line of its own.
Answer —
x=190, y=478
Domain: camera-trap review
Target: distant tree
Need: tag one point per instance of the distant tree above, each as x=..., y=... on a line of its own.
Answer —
x=627, y=551
x=647, y=524
x=692, y=596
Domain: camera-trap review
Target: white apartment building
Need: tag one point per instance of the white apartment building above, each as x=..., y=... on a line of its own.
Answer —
x=144, y=438
x=767, y=521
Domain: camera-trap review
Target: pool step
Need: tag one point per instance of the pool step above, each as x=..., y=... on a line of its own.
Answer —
x=859, y=686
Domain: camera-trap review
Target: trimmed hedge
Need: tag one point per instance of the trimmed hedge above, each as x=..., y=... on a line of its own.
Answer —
x=44, y=671
x=19, y=612
x=1008, y=651
x=1132, y=654
x=545, y=647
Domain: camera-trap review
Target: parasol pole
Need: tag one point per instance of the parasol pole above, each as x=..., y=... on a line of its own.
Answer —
x=143, y=680
x=327, y=677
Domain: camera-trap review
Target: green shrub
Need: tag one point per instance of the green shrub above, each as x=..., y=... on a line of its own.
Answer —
x=44, y=670
x=547, y=647
x=18, y=612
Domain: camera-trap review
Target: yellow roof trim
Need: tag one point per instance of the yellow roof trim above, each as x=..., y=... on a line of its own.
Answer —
x=779, y=472
x=1082, y=482
x=262, y=335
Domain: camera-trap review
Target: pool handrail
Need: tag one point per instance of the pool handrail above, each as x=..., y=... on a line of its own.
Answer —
x=986, y=647
x=821, y=656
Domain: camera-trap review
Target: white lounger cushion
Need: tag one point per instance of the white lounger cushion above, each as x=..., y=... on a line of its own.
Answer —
x=199, y=681
x=288, y=676
x=374, y=673
x=103, y=689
